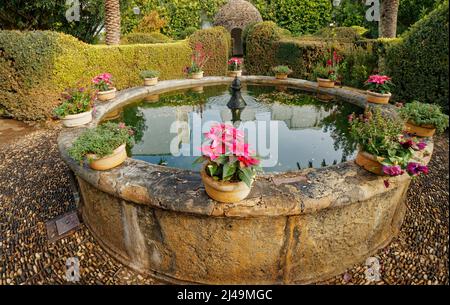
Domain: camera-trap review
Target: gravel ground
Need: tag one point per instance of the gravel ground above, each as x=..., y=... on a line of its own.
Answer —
x=35, y=187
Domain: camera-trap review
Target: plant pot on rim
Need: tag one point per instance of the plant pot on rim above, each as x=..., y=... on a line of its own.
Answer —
x=420, y=130
x=281, y=75
x=118, y=156
x=325, y=83
x=74, y=120
x=150, y=81
x=378, y=98
x=224, y=191
x=237, y=73
x=196, y=75
x=106, y=95
x=370, y=162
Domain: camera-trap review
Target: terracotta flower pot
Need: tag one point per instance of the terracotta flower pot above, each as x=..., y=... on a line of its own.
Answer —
x=324, y=97
x=378, y=98
x=226, y=192
x=197, y=75
x=112, y=115
x=198, y=89
x=281, y=76
x=150, y=81
x=235, y=73
x=115, y=159
x=325, y=83
x=370, y=162
x=106, y=95
x=420, y=131
x=74, y=120
x=152, y=98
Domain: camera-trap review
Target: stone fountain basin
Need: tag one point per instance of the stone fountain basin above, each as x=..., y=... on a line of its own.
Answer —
x=297, y=227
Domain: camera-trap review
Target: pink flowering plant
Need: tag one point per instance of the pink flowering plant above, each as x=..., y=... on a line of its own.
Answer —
x=199, y=58
x=383, y=137
x=379, y=84
x=235, y=64
x=75, y=101
x=227, y=157
x=103, y=82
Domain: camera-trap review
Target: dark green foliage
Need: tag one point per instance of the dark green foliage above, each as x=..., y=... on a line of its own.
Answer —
x=424, y=114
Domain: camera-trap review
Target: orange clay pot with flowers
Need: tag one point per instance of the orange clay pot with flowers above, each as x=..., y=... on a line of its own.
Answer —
x=379, y=87
x=384, y=150
x=104, y=85
x=198, y=60
x=235, y=67
x=327, y=72
x=229, y=166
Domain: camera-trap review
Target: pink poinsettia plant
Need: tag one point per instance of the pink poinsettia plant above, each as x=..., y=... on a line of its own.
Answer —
x=227, y=157
x=103, y=82
x=235, y=64
x=379, y=83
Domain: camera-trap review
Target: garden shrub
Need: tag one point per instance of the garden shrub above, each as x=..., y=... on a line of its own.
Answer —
x=419, y=63
x=348, y=34
x=154, y=37
x=187, y=32
x=216, y=41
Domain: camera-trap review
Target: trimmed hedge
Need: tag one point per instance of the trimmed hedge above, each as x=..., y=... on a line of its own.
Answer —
x=419, y=63
x=217, y=41
x=154, y=37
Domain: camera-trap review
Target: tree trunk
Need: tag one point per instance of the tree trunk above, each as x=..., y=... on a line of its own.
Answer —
x=112, y=21
x=388, y=18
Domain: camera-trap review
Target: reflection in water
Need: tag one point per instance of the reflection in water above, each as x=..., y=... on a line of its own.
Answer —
x=310, y=133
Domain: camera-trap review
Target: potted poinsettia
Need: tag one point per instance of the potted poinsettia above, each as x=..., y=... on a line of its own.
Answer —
x=281, y=72
x=150, y=77
x=104, y=147
x=423, y=119
x=229, y=165
x=103, y=83
x=384, y=150
x=76, y=109
x=198, y=60
x=235, y=67
x=379, y=89
x=327, y=73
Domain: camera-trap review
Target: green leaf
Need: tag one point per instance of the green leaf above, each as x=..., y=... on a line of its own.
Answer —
x=199, y=160
x=212, y=168
x=246, y=175
x=229, y=169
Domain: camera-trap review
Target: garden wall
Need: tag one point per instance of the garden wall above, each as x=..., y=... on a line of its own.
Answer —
x=36, y=66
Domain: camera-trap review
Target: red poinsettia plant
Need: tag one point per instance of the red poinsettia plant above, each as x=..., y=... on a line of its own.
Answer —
x=103, y=82
x=227, y=157
x=199, y=58
x=328, y=68
x=235, y=64
x=379, y=84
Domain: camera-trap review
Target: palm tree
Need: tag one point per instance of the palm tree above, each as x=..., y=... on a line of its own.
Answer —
x=388, y=18
x=112, y=21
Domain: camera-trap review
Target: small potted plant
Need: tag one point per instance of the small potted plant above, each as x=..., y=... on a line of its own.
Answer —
x=235, y=67
x=198, y=61
x=281, y=72
x=76, y=109
x=150, y=77
x=104, y=147
x=383, y=150
x=423, y=119
x=104, y=85
x=379, y=89
x=229, y=166
x=327, y=73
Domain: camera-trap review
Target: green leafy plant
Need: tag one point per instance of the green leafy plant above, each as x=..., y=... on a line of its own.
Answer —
x=227, y=157
x=75, y=101
x=101, y=141
x=281, y=70
x=423, y=114
x=149, y=74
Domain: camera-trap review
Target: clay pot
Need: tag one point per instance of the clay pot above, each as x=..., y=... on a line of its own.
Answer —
x=420, y=131
x=198, y=89
x=325, y=97
x=226, y=192
x=74, y=120
x=106, y=95
x=281, y=76
x=115, y=159
x=325, y=83
x=197, y=75
x=235, y=73
x=112, y=115
x=378, y=98
x=370, y=162
x=150, y=81
x=152, y=98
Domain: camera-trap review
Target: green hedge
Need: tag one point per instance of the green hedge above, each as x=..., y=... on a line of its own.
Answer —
x=216, y=41
x=155, y=37
x=419, y=63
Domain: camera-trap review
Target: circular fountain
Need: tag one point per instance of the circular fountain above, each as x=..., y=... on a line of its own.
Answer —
x=298, y=225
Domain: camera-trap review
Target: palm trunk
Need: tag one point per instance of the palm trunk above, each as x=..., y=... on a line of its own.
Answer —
x=112, y=21
x=387, y=26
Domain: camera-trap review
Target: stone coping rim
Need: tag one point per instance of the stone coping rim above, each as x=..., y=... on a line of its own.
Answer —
x=276, y=194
